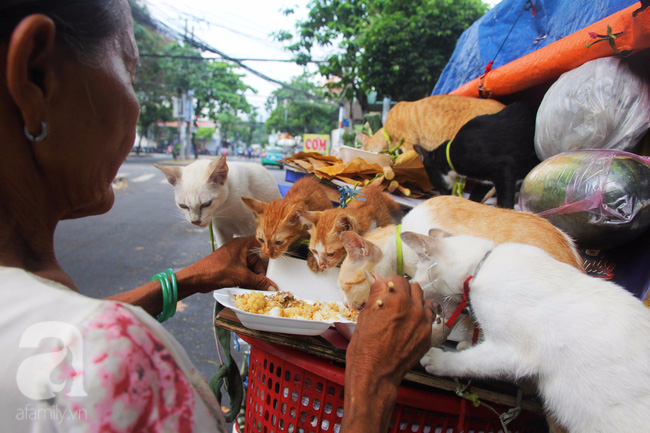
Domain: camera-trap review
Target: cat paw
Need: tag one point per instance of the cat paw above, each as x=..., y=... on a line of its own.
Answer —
x=431, y=361
x=313, y=263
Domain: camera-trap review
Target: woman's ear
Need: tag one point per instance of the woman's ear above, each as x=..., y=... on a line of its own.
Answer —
x=30, y=72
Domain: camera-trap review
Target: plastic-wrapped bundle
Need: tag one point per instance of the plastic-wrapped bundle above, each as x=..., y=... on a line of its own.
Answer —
x=599, y=105
x=599, y=197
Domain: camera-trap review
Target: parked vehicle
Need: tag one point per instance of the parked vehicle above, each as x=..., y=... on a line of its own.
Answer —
x=273, y=156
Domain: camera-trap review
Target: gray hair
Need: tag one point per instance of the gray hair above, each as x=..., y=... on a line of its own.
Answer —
x=81, y=25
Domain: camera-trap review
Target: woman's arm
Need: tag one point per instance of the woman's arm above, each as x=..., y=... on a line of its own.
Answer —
x=392, y=334
x=232, y=265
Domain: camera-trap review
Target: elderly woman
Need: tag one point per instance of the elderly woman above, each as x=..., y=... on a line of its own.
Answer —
x=71, y=363
x=67, y=120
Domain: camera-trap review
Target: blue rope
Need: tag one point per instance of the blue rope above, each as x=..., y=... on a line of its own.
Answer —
x=348, y=194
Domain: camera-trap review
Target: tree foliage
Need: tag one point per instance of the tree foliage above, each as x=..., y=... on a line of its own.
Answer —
x=407, y=45
x=294, y=112
x=397, y=47
x=332, y=23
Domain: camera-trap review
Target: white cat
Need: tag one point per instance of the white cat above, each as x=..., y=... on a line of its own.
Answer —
x=585, y=340
x=211, y=190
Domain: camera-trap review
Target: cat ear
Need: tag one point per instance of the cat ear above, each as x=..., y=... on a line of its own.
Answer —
x=439, y=234
x=173, y=173
x=424, y=246
x=294, y=219
x=359, y=249
x=363, y=138
x=219, y=171
x=422, y=153
x=257, y=206
x=309, y=218
x=345, y=223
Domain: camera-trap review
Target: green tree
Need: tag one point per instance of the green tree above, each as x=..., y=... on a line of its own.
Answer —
x=150, y=81
x=296, y=113
x=218, y=89
x=332, y=22
x=407, y=45
x=387, y=45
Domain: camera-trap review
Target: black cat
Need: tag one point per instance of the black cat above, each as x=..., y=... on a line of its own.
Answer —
x=498, y=148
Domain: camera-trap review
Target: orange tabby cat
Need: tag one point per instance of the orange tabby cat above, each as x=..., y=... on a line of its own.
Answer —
x=371, y=209
x=278, y=222
x=377, y=251
x=428, y=122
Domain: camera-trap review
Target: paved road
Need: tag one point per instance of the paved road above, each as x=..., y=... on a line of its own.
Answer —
x=142, y=235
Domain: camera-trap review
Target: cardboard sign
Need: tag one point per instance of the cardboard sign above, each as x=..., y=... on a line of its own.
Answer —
x=316, y=143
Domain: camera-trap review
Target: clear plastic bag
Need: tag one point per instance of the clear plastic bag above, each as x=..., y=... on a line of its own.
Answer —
x=599, y=105
x=599, y=197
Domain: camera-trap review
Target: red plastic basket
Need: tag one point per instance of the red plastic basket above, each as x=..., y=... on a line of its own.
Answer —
x=290, y=391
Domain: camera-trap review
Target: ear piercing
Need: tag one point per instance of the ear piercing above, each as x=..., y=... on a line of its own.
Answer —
x=45, y=129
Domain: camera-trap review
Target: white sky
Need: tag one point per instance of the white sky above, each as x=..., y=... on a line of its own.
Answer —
x=241, y=29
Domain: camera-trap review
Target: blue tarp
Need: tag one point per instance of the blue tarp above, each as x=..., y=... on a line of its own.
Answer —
x=522, y=32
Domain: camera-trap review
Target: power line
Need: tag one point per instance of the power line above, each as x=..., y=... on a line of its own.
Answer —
x=243, y=21
x=172, y=56
x=145, y=19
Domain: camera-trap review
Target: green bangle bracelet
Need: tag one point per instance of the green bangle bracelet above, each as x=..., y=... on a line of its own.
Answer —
x=169, y=289
x=166, y=293
x=174, y=291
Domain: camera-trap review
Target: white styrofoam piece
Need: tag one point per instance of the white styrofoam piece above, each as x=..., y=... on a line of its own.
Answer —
x=293, y=275
x=348, y=154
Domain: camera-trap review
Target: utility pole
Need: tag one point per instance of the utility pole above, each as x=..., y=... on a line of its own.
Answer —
x=189, y=117
x=385, y=108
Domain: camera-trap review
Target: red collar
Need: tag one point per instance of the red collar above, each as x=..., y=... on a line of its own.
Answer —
x=462, y=305
x=465, y=300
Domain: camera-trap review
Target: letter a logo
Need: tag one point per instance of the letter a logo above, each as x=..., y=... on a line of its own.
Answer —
x=34, y=373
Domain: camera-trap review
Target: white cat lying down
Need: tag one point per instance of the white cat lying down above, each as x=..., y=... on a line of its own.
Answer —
x=585, y=340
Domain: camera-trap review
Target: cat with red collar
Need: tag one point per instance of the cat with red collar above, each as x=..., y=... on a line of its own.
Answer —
x=583, y=339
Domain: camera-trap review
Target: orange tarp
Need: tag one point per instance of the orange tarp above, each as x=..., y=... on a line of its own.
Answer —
x=549, y=62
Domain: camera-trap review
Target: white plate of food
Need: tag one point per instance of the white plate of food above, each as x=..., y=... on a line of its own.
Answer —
x=264, y=311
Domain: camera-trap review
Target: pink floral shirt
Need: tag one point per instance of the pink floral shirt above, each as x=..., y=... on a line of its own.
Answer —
x=78, y=364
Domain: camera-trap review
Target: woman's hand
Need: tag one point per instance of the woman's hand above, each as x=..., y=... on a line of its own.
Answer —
x=392, y=334
x=233, y=265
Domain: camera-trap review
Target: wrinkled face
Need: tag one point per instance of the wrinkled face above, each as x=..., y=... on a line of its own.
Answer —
x=102, y=102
